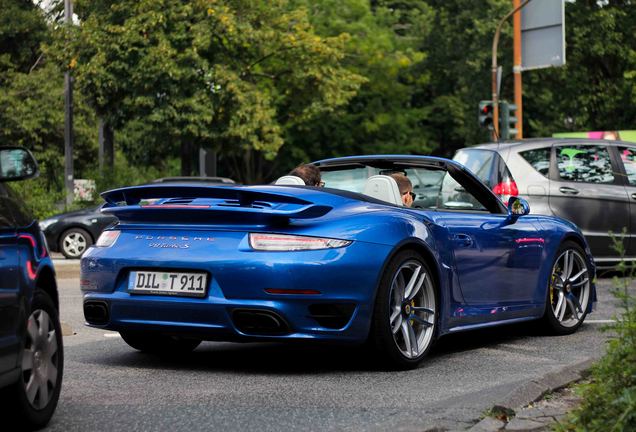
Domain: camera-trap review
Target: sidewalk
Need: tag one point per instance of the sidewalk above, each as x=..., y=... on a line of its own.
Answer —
x=65, y=268
x=538, y=404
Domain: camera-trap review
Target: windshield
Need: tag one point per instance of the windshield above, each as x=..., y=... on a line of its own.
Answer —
x=434, y=188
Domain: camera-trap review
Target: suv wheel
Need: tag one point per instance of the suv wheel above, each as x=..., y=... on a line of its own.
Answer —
x=33, y=398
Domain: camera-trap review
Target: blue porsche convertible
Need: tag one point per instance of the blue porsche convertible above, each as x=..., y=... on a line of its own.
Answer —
x=344, y=263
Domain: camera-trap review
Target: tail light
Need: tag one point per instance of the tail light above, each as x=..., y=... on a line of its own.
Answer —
x=284, y=242
x=505, y=190
x=107, y=238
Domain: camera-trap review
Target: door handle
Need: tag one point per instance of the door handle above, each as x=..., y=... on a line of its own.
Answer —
x=568, y=190
x=634, y=196
x=463, y=240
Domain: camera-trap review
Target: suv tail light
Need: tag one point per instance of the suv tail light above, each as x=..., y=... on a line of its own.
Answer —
x=505, y=190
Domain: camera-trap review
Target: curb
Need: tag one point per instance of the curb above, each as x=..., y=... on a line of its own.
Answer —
x=69, y=269
x=533, y=390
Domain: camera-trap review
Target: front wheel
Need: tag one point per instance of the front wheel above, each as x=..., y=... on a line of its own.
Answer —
x=159, y=344
x=405, y=314
x=569, y=290
x=74, y=242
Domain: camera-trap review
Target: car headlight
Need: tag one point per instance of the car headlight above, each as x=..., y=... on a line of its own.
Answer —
x=47, y=223
x=107, y=238
x=284, y=242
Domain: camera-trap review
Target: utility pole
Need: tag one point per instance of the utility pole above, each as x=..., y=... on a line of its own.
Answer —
x=516, y=66
x=68, y=117
x=495, y=90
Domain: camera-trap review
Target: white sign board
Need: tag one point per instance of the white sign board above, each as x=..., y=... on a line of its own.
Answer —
x=543, y=34
x=84, y=189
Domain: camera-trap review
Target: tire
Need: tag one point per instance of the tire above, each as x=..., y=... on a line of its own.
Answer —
x=405, y=310
x=74, y=242
x=159, y=344
x=569, y=290
x=32, y=400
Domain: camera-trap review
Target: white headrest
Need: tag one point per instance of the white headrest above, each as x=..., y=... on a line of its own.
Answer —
x=290, y=180
x=384, y=188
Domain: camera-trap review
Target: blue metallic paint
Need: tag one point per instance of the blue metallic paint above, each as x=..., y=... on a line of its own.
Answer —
x=488, y=278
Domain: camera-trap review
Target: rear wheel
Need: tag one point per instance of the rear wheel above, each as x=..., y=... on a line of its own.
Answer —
x=405, y=314
x=159, y=344
x=33, y=398
x=569, y=290
x=74, y=242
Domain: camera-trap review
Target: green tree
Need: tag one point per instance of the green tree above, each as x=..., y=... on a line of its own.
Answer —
x=227, y=75
x=596, y=89
x=387, y=114
x=458, y=63
x=32, y=103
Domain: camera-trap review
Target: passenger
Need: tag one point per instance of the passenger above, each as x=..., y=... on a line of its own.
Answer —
x=406, y=188
x=309, y=173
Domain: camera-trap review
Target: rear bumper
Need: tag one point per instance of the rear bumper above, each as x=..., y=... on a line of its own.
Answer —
x=346, y=279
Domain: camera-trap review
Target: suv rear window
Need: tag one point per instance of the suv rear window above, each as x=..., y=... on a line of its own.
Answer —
x=539, y=159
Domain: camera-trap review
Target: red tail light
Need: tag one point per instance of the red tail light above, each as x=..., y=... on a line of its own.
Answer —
x=506, y=188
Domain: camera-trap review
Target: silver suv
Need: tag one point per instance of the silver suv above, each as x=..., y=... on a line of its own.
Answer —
x=589, y=182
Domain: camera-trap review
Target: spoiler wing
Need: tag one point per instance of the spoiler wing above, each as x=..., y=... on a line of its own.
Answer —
x=207, y=204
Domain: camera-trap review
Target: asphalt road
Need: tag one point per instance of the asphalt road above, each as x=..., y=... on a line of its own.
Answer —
x=271, y=387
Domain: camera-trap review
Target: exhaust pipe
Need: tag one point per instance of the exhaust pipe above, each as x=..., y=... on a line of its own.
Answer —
x=259, y=322
x=96, y=312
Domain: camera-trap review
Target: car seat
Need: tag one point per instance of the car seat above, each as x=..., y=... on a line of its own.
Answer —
x=290, y=180
x=384, y=188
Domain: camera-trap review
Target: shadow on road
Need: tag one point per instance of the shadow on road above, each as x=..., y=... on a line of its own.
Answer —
x=290, y=358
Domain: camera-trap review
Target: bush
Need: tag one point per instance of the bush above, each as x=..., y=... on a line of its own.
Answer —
x=609, y=401
x=46, y=199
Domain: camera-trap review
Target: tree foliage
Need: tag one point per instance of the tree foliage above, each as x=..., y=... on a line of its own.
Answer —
x=227, y=75
x=596, y=90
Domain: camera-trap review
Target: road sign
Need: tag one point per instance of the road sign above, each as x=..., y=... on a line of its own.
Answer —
x=543, y=34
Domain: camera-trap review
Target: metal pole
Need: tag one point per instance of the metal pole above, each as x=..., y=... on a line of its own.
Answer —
x=516, y=68
x=68, y=118
x=495, y=95
x=100, y=142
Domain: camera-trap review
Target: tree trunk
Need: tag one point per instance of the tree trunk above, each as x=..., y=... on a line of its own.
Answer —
x=186, y=159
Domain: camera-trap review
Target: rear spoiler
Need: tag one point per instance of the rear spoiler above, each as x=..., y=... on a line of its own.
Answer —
x=207, y=204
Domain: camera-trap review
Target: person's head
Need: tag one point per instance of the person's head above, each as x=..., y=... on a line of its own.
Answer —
x=406, y=188
x=309, y=173
x=611, y=135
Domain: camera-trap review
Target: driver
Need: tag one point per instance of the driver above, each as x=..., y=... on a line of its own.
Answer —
x=406, y=188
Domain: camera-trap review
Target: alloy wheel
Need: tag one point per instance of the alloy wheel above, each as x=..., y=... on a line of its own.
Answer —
x=412, y=309
x=40, y=360
x=74, y=244
x=569, y=288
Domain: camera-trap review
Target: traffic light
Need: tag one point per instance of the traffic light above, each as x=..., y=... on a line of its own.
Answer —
x=485, y=113
x=508, y=120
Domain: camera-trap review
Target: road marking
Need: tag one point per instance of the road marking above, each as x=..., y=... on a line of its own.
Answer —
x=606, y=321
x=112, y=335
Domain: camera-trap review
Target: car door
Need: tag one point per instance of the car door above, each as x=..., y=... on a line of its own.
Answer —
x=626, y=156
x=586, y=189
x=9, y=282
x=496, y=259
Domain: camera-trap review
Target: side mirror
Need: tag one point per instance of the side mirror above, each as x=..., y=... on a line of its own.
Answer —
x=17, y=163
x=517, y=207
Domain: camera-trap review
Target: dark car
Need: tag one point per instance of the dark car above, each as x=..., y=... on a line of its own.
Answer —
x=74, y=232
x=589, y=182
x=31, y=353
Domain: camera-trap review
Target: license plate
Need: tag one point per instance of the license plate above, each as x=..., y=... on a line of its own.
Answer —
x=168, y=283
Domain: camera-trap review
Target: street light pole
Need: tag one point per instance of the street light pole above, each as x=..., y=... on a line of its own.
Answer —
x=495, y=90
x=68, y=118
x=516, y=68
